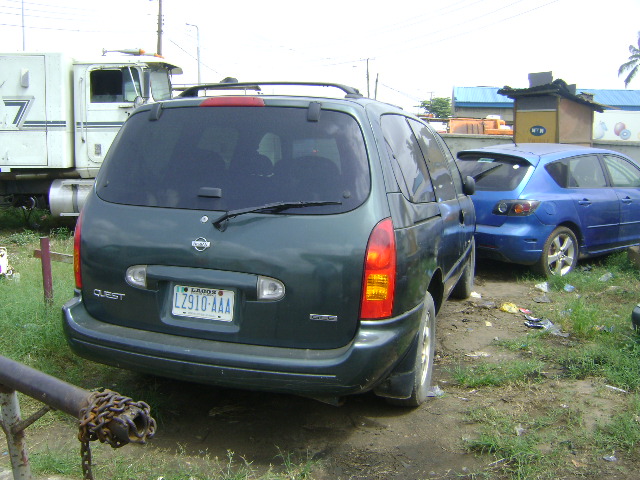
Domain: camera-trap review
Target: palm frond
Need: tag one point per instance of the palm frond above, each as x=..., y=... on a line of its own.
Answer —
x=631, y=76
x=627, y=66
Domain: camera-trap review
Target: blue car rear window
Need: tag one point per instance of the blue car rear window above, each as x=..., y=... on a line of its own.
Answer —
x=237, y=157
x=494, y=172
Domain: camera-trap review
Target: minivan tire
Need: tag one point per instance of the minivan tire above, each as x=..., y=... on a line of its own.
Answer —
x=424, y=353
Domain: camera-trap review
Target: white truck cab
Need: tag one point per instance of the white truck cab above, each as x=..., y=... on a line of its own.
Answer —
x=58, y=117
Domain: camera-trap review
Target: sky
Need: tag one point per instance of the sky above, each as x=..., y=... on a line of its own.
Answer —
x=400, y=52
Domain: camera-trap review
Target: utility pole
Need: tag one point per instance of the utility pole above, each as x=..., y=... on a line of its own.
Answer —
x=368, y=94
x=23, y=39
x=375, y=92
x=159, y=49
x=198, y=51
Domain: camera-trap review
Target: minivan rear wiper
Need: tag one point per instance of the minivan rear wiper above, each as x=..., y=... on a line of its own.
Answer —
x=221, y=222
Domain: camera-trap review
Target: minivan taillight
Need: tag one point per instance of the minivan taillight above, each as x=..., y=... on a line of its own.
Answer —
x=76, y=252
x=379, y=281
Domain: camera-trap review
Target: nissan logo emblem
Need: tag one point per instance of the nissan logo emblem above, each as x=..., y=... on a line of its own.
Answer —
x=201, y=244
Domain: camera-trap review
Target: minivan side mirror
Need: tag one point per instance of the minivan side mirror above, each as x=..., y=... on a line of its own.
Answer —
x=469, y=187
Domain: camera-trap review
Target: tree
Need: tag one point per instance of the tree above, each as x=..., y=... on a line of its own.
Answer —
x=633, y=65
x=440, y=107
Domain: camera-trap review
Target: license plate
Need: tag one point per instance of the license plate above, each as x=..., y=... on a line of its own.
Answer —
x=207, y=303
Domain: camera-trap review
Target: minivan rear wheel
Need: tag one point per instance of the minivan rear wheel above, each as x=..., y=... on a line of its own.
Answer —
x=423, y=361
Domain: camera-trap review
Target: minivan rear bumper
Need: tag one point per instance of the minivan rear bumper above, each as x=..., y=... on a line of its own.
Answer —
x=357, y=367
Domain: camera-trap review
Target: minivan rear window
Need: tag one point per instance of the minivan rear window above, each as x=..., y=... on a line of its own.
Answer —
x=493, y=172
x=237, y=157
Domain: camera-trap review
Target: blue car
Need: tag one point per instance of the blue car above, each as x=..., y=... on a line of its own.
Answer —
x=548, y=205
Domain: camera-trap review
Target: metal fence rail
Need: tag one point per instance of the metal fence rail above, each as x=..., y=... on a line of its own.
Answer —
x=106, y=416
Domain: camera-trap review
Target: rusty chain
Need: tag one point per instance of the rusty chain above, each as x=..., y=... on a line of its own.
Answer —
x=108, y=411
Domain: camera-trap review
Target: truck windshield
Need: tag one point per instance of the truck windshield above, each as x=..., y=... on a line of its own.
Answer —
x=160, y=85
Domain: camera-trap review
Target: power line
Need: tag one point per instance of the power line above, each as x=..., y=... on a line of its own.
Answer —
x=187, y=53
x=48, y=5
x=60, y=29
x=72, y=14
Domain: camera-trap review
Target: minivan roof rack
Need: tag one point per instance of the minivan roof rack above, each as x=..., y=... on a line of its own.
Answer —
x=193, y=91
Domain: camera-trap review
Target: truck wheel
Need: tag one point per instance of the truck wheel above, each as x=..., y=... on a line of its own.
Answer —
x=424, y=353
x=464, y=287
x=559, y=254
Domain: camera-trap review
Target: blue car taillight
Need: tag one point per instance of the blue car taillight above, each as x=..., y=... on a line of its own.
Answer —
x=515, y=208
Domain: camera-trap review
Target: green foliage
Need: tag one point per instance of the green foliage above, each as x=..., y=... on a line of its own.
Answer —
x=440, y=107
x=601, y=348
x=31, y=333
x=490, y=374
x=514, y=440
x=622, y=432
x=55, y=462
x=23, y=238
x=631, y=67
x=21, y=218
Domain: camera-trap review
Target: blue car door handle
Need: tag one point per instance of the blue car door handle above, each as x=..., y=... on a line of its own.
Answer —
x=626, y=199
x=584, y=202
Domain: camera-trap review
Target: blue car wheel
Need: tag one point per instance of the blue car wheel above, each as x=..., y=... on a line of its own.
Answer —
x=560, y=253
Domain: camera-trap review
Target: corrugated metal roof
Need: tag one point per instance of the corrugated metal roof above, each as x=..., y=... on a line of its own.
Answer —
x=623, y=99
x=557, y=87
x=489, y=97
x=480, y=97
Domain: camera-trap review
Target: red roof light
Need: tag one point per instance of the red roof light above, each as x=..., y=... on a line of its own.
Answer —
x=233, y=102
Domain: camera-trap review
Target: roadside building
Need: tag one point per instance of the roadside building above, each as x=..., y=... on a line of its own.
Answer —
x=481, y=102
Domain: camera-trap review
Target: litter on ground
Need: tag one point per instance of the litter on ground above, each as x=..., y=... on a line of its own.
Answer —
x=544, y=324
x=509, y=307
x=543, y=287
x=542, y=299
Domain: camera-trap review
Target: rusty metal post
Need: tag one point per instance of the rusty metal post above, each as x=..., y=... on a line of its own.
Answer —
x=136, y=424
x=47, y=281
x=49, y=390
x=106, y=416
x=10, y=420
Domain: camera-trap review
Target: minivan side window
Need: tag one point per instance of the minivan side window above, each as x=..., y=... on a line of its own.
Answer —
x=409, y=165
x=440, y=171
x=456, y=176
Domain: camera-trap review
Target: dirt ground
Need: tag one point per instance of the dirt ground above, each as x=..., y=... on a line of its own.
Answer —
x=365, y=438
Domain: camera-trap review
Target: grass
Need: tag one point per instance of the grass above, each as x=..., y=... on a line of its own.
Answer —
x=490, y=374
x=533, y=441
x=593, y=305
x=31, y=333
x=165, y=465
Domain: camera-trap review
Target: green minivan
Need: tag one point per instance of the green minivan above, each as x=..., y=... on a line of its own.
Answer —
x=277, y=242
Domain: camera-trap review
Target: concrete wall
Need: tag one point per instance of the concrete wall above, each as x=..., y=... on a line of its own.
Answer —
x=457, y=142
x=478, y=112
